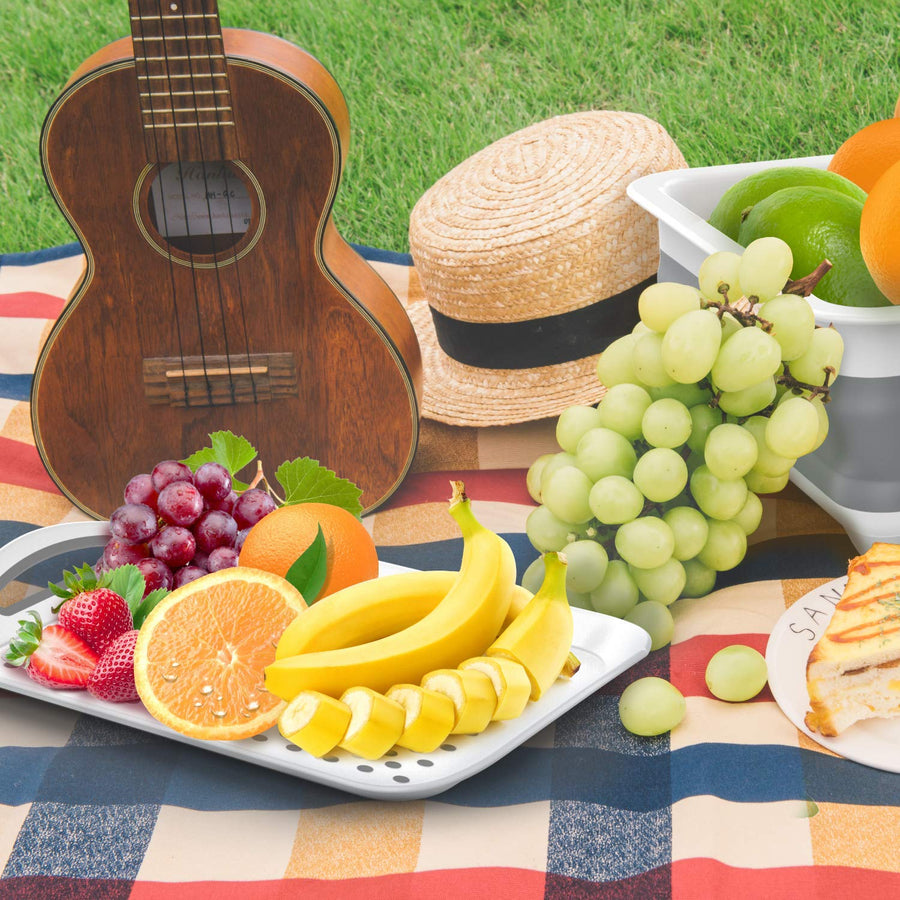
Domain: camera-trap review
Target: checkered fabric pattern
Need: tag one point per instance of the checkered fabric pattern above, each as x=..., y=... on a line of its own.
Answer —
x=734, y=802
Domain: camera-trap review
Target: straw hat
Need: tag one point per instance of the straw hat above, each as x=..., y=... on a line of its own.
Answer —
x=531, y=258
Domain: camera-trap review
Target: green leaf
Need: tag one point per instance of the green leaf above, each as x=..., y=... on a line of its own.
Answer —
x=148, y=604
x=308, y=572
x=128, y=582
x=227, y=449
x=305, y=481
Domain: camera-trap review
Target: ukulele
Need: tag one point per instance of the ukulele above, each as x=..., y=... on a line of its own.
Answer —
x=198, y=167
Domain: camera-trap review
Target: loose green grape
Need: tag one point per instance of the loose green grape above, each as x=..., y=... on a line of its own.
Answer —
x=765, y=268
x=648, y=363
x=602, y=452
x=703, y=419
x=615, y=500
x=730, y=326
x=651, y=706
x=617, y=594
x=645, y=542
x=792, y=321
x=615, y=365
x=690, y=345
x=566, y=495
x=546, y=531
x=557, y=461
x=662, y=303
x=699, y=579
x=690, y=529
x=765, y=484
x=717, y=498
x=582, y=601
x=736, y=673
x=826, y=351
x=793, y=427
x=746, y=358
x=587, y=562
x=662, y=584
x=730, y=451
x=718, y=276
x=821, y=412
x=660, y=474
x=622, y=409
x=656, y=619
x=573, y=423
x=750, y=400
x=666, y=423
x=533, y=476
x=725, y=547
x=767, y=462
x=751, y=514
x=688, y=394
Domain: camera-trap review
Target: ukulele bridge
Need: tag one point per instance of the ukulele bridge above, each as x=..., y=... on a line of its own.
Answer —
x=219, y=380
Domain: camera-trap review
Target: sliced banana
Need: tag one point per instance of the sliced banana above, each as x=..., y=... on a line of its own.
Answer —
x=510, y=682
x=472, y=694
x=376, y=723
x=315, y=722
x=430, y=717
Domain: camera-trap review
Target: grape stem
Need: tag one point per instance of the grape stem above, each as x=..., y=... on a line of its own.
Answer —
x=805, y=286
x=260, y=481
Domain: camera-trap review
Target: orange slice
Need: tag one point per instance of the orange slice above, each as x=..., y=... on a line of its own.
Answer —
x=201, y=654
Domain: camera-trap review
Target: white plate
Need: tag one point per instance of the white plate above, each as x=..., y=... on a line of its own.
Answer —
x=872, y=742
x=605, y=646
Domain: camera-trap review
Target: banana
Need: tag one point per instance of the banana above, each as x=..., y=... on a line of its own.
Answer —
x=510, y=682
x=462, y=624
x=430, y=717
x=375, y=723
x=541, y=635
x=472, y=694
x=314, y=722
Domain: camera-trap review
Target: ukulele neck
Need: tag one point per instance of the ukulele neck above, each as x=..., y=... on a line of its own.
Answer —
x=183, y=85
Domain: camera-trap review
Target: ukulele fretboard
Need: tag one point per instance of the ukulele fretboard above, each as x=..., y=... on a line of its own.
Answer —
x=182, y=80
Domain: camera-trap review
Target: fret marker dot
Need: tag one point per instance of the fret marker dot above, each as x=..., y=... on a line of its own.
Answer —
x=173, y=6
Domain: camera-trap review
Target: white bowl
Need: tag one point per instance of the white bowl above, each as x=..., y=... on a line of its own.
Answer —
x=854, y=474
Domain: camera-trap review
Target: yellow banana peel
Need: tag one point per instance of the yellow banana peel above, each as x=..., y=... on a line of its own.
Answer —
x=430, y=717
x=510, y=682
x=462, y=624
x=375, y=723
x=314, y=722
x=472, y=694
x=540, y=638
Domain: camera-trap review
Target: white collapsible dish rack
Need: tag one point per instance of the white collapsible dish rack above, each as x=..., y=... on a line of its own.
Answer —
x=605, y=646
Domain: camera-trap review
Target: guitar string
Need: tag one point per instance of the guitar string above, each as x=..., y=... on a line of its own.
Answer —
x=235, y=258
x=203, y=164
x=138, y=8
x=187, y=222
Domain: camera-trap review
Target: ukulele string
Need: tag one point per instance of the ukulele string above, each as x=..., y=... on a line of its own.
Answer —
x=139, y=15
x=187, y=221
x=235, y=258
x=203, y=169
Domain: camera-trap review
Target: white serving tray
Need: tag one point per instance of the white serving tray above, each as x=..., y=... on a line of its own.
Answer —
x=606, y=647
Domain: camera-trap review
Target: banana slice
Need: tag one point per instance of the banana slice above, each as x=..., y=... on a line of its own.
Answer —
x=510, y=682
x=314, y=722
x=430, y=717
x=472, y=694
x=376, y=723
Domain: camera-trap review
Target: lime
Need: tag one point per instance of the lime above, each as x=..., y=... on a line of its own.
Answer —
x=750, y=190
x=818, y=223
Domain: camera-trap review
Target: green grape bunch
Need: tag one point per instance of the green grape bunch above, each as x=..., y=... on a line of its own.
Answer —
x=709, y=402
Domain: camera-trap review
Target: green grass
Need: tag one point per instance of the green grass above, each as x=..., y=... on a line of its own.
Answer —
x=430, y=82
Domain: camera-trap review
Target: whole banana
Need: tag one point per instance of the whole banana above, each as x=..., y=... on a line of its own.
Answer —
x=463, y=623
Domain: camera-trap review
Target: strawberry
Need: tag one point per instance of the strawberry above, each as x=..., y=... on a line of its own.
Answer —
x=55, y=657
x=113, y=676
x=98, y=617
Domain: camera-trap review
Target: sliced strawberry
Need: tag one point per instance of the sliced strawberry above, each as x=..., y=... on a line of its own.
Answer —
x=97, y=616
x=54, y=656
x=113, y=677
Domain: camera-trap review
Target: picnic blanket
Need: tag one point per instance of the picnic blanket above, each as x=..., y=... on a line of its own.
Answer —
x=734, y=802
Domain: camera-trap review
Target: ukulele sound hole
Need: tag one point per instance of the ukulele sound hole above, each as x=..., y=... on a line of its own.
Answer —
x=200, y=209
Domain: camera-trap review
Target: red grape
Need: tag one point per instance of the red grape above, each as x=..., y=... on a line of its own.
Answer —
x=174, y=545
x=214, y=529
x=180, y=503
x=213, y=481
x=239, y=539
x=222, y=558
x=156, y=574
x=120, y=553
x=252, y=506
x=188, y=573
x=226, y=504
x=133, y=522
x=140, y=490
x=170, y=470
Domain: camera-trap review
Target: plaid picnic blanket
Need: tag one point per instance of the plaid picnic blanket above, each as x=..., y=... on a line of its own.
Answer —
x=734, y=802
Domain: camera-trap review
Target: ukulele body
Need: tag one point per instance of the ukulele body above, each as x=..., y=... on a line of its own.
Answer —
x=285, y=336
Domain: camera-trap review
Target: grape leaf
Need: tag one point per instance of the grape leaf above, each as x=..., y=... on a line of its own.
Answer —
x=308, y=571
x=305, y=481
x=228, y=449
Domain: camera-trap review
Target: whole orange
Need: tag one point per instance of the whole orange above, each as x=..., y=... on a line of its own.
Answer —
x=866, y=155
x=276, y=541
x=879, y=233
